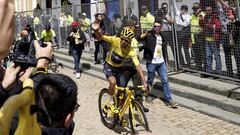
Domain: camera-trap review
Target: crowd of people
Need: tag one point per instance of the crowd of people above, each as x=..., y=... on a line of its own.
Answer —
x=200, y=33
x=203, y=31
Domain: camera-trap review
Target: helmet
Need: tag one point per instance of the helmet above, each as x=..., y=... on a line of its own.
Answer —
x=127, y=33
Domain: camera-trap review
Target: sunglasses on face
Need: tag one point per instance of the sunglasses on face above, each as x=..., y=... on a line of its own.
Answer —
x=125, y=40
x=157, y=27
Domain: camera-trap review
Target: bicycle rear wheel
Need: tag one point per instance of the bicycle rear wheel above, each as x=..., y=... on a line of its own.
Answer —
x=107, y=116
x=137, y=118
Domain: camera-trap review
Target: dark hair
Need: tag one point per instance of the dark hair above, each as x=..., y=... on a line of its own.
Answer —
x=59, y=94
x=117, y=16
x=97, y=14
x=158, y=21
x=130, y=10
x=48, y=26
x=184, y=7
x=164, y=3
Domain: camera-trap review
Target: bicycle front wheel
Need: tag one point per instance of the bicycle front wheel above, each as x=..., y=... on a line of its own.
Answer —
x=137, y=118
x=104, y=105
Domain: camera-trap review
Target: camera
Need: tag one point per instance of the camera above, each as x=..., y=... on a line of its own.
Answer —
x=24, y=52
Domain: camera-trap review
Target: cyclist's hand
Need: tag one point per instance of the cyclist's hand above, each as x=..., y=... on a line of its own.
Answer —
x=95, y=26
x=146, y=88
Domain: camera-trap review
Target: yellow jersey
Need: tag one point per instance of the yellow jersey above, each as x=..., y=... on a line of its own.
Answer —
x=48, y=36
x=117, y=55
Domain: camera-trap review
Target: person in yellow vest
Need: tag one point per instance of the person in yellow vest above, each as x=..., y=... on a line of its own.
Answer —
x=84, y=23
x=37, y=25
x=146, y=20
x=69, y=29
x=69, y=22
x=197, y=37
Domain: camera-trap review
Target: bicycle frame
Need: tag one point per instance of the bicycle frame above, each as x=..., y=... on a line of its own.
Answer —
x=27, y=124
x=127, y=101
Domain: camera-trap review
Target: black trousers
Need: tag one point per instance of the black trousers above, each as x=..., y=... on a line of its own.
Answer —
x=199, y=52
x=236, y=53
x=131, y=73
x=183, y=39
x=105, y=47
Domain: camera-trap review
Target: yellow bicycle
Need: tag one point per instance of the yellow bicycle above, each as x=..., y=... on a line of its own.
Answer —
x=112, y=109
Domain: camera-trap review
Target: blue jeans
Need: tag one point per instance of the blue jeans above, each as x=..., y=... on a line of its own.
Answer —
x=77, y=56
x=162, y=72
x=213, y=48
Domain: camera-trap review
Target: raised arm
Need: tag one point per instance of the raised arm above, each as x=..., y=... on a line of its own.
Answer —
x=224, y=4
x=97, y=31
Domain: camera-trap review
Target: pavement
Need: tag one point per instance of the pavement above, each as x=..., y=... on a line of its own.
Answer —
x=162, y=119
x=204, y=95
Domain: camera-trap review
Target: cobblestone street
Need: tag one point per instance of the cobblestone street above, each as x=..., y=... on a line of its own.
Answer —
x=162, y=119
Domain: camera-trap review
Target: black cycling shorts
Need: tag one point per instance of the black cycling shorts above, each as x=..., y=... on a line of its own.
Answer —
x=117, y=72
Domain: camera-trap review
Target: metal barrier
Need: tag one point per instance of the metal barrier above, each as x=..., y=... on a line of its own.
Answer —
x=188, y=48
x=208, y=47
x=21, y=103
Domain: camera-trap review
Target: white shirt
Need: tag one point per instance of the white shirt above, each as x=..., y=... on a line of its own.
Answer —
x=158, y=55
x=183, y=21
x=63, y=21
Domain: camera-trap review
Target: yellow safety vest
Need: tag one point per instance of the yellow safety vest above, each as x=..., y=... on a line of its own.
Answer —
x=147, y=22
x=69, y=20
x=36, y=21
x=195, y=27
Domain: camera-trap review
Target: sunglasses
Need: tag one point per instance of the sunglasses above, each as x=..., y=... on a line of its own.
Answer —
x=125, y=40
x=157, y=27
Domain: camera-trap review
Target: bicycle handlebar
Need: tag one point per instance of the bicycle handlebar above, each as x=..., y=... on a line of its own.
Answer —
x=145, y=92
x=129, y=87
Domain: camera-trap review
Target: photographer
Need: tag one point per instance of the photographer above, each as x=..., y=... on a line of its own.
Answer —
x=24, y=51
x=14, y=75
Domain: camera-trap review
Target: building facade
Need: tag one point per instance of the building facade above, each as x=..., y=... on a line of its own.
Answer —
x=25, y=5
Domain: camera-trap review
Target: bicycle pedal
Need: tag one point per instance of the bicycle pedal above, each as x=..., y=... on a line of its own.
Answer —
x=123, y=123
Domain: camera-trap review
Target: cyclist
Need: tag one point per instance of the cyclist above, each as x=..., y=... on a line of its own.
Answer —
x=120, y=49
x=48, y=34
